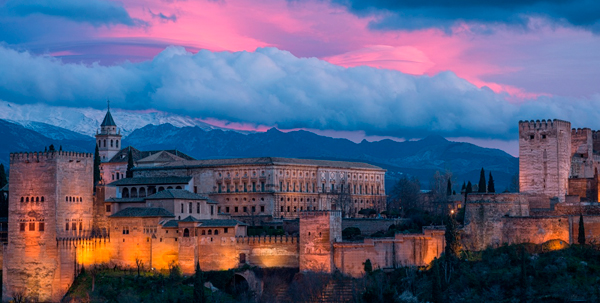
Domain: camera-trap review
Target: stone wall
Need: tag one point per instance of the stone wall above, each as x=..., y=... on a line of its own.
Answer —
x=386, y=253
x=318, y=231
x=544, y=157
x=370, y=226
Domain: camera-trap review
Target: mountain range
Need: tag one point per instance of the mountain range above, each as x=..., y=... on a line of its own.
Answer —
x=413, y=158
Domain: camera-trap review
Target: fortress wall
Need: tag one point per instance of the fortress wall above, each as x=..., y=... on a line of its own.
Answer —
x=402, y=250
x=591, y=227
x=318, y=230
x=371, y=226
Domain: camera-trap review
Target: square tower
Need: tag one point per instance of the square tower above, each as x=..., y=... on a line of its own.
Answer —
x=50, y=199
x=108, y=139
x=319, y=229
x=545, y=157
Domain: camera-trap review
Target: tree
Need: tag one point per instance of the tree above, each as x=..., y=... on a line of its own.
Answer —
x=469, y=188
x=97, y=162
x=140, y=264
x=51, y=148
x=130, y=166
x=581, y=234
x=464, y=187
x=199, y=285
x=405, y=195
x=436, y=284
x=482, y=182
x=3, y=179
x=452, y=236
x=514, y=184
x=491, y=188
x=449, y=188
x=368, y=266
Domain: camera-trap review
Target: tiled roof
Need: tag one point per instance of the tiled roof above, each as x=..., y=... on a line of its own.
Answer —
x=176, y=194
x=108, y=120
x=161, y=156
x=170, y=223
x=121, y=156
x=221, y=223
x=125, y=200
x=189, y=219
x=142, y=212
x=151, y=181
x=264, y=161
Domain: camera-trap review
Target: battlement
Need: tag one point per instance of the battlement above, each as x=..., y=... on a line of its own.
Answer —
x=535, y=125
x=580, y=132
x=307, y=214
x=48, y=155
x=266, y=239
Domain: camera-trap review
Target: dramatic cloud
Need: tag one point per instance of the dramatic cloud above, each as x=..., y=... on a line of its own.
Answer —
x=419, y=14
x=162, y=17
x=94, y=12
x=274, y=88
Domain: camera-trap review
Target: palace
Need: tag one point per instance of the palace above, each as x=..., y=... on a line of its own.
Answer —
x=172, y=209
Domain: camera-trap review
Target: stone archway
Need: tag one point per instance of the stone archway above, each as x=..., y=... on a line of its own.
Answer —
x=246, y=281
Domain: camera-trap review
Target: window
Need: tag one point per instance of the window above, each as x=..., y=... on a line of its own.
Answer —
x=190, y=208
x=282, y=209
x=262, y=208
x=80, y=226
x=253, y=209
x=323, y=187
x=280, y=186
x=203, y=232
x=31, y=226
x=253, y=186
x=225, y=230
x=21, y=226
x=125, y=230
x=195, y=189
x=73, y=225
x=111, y=143
x=66, y=226
x=41, y=226
x=27, y=199
x=117, y=143
x=218, y=209
x=288, y=209
x=242, y=258
x=210, y=232
x=245, y=209
x=236, y=209
x=531, y=137
x=198, y=207
x=182, y=207
x=186, y=233
x=227, y=209
x=262, y=186
x=42, y=199
x=245, y=188
x=212, y=210
x=216, y=232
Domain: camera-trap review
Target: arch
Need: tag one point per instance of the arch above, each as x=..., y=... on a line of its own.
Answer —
x=37, y=199
x=169, y=187
x=111, y=143
x=22, y=199
x=142, y=192
x=186, y=233
x=178, y=187
x=125, y=193
x=210, y=232
x=161, y=188
x=216, y=232
x=134, y=193
x=42, y=199
x=27, y=199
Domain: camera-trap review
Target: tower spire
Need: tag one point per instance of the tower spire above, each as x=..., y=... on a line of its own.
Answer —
x=108, y=104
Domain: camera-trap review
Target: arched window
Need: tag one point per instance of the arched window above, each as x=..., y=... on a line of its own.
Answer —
x=134, y=192
x=216, y=232
x=42, y=198
x=210, y=232
x=178, y=187
x=27, y=199
x=125, y=193
x=22, y=199
x=104, y=142
x=117, y=143
x=142, y=192
x=37, y=199
x=111, y=143
x=161, y=188
x=186, y=233
x=203, y=232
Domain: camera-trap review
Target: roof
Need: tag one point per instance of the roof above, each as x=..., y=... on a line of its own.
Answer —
x=122, y=155
x=142, y=212
x=263, y=161
x=206, y=223
x=108, y=120
x=170, y=223
x=176, y=194
x=151, y=180
x=161, y=156
x=125, y=200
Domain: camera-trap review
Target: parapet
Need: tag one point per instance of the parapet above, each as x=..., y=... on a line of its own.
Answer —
x=580, y=132
x=543, y=124
x=267, y=239
x=307, y=214
x=47, y=155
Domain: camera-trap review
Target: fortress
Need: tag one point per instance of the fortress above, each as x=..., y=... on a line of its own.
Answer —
x=175, y=210
x=172, y=209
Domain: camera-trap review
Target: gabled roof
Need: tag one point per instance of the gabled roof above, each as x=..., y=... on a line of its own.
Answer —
x=108, y=120
x=161, y=157
x=170, y=223
x=151, y=181
x=125, y=200
x=263, y=161
x=189, y=219
x=122, y=155
x=176, y=194
x=142, y=212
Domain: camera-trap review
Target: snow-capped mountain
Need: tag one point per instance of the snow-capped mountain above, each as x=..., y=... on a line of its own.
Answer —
x=86, y=121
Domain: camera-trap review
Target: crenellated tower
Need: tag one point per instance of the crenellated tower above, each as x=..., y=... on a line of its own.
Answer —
x=109, y=138
x=545, y=157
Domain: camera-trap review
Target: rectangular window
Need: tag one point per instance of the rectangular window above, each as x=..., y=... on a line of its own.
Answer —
x=331, y=187
x=245, y=188
x=280, y=186
x=219, y=188
x=323, y=187
x=190, y=208
x=42, y=227
x=73, y=226
x=198, y=207
x=245, y=209
x=253, y=209
x=253, y=186
x=227, y=209
x=80, y=226
x=262, y=208
x=236, y=209
x=219, y=209
x=228, y=189
x=31, y=226
x=181, y=207
x=237, y=188
x=108, y=208
x=66, y=226
x=21, y=226
x=125, y=230
x=195, y=189
x=212, y=210
x=282, y=209
x=225, y=230
x=288, y=209
x=262, y=186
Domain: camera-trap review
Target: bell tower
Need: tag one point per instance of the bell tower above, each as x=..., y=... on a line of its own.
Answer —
x=108, y=138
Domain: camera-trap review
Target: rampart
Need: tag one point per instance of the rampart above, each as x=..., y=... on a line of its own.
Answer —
x=371, y=226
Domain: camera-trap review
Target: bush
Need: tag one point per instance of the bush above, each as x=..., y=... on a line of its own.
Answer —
x=351, y=233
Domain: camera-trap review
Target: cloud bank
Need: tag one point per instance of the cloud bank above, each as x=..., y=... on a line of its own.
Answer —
x=444, y=14
x=94, y=12
x=274, y=88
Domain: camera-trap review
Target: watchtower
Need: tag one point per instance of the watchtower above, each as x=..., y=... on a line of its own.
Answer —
x=50, y=198
x=544, y=157
x=319, y=229
x=109, y=138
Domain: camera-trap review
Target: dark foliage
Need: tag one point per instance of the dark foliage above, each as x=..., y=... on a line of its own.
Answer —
x=130, y=165
x=581, y=233
x=482, y=185
x=491, y=187
x=97, y=162
x=3, y=178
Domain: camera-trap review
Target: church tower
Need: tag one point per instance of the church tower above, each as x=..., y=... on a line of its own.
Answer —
x=109, y=138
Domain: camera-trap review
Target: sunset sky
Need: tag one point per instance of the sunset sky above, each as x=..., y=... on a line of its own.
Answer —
x=405, y=69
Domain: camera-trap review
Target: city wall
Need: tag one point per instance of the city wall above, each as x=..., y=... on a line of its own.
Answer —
x=370, y=226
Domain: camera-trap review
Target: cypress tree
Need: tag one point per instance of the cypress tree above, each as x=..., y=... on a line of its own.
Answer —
x=97, y=162
x=453, y=247
x=199, y=285
x=436, y=284
x=581, y=234
x=368, y=266
x=60, y=148
x=449, y=188
x=482, y=182
x=464, y=187
x=491, y=188
x=3, y=179
x=469, y=188
x=129, y=173
x=51, y=148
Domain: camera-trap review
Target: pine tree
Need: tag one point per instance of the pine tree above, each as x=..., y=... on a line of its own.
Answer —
x=3, y=179
x=581, y=234
x=491, y=188
x=129, y=173
x=481, y=188
x=199, y=285
x=449, y=188
x=97, y=162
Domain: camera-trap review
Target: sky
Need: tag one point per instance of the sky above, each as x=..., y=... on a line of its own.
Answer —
x=467, y=70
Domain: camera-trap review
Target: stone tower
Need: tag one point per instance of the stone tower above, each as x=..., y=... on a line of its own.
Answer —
x=545, y=157
x=109, y=138
x=319, y=229
x=50, y=200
